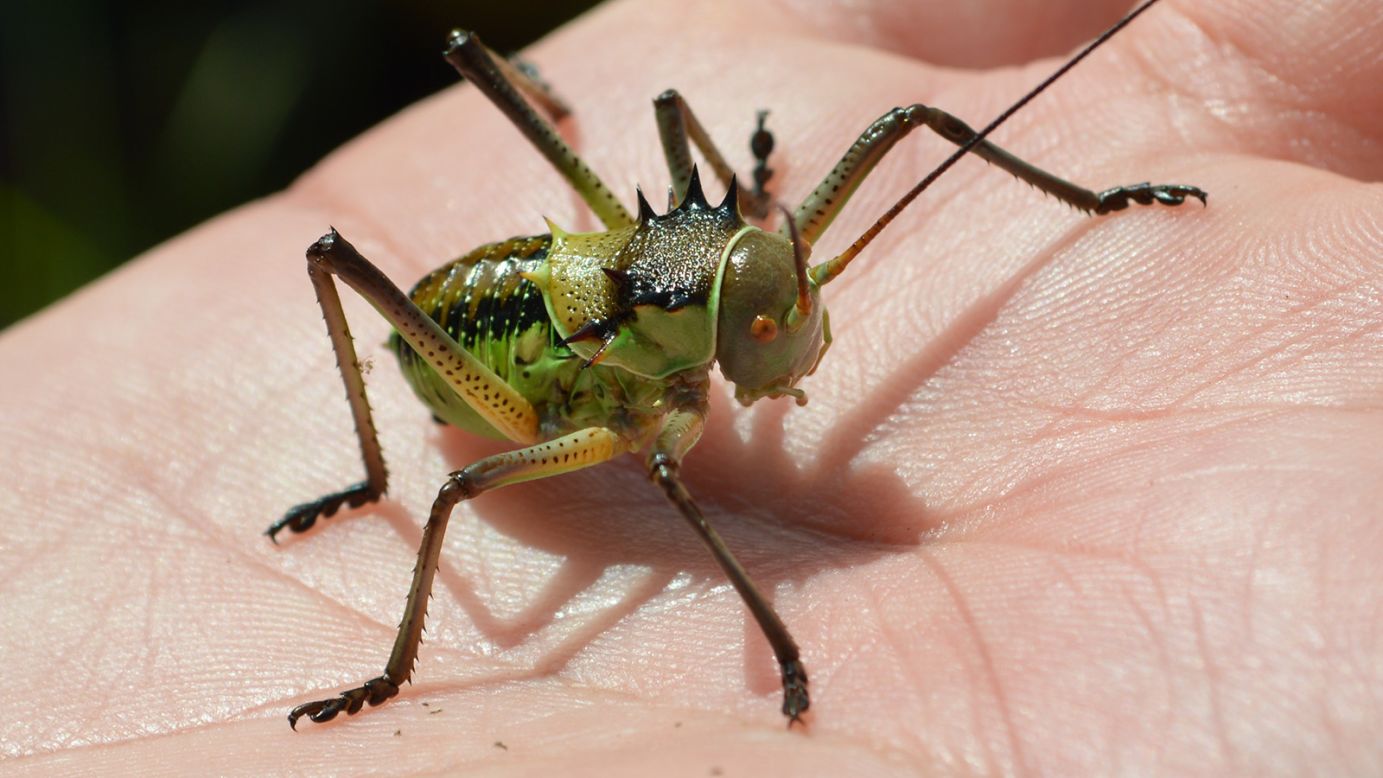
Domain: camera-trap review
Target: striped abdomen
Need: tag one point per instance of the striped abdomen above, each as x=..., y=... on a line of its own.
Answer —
x=482, y=301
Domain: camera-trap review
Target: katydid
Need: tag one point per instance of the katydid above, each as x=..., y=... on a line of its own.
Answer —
x=580, y=347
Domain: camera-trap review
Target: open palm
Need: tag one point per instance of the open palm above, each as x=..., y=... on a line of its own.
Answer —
x=1072, y=495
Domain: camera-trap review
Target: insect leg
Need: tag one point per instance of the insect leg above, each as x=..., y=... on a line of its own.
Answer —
x=680, y=432
x=301, y=517
x=524, y=75
x=494, y=400
x=497, y=81
x=563, y=455
x=677, y=124
x=1114, y=199
x=815, y=213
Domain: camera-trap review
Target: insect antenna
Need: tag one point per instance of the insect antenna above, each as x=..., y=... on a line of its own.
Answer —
x=828, y=270
x=803, y=308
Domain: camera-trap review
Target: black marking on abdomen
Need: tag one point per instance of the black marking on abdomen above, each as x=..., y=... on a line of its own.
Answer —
x=481, y=299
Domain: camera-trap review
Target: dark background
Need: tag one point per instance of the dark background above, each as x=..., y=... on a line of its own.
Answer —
x=126, y=123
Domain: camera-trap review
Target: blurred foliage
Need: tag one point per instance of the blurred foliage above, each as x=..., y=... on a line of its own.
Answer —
x=126, y=123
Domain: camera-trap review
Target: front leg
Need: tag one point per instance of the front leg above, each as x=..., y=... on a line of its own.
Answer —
x=1114, y=199
x=680, y=432
x=815, y=213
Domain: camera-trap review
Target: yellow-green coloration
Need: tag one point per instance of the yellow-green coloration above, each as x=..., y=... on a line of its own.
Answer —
x=758, y=292
x=596, y=328
x=484, y=302
x=641, y=298
x=585, y=346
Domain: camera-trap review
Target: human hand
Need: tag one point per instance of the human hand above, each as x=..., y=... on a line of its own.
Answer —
x=1072, y=495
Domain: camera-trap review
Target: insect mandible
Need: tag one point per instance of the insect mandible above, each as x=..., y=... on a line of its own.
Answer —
x=584, y=346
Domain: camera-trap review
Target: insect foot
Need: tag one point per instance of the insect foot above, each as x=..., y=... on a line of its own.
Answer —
x=374, y=691
x=300, y=518
x=795, y=699
x=1117, y=199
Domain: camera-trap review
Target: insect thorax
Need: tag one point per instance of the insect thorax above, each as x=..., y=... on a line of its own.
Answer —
x=643, y=298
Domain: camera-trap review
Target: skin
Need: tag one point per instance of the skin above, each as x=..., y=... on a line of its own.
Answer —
x=1072, y=495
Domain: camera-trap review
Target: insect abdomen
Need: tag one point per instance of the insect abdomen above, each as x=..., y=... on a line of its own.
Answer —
x=483, y=302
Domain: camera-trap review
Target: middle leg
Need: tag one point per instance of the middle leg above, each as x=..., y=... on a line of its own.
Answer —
x=678, y=127
x=572, y=452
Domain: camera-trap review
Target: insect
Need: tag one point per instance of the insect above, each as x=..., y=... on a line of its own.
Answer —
x=584, y=346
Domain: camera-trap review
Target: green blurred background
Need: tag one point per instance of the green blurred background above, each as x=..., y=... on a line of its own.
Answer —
x=126, y=123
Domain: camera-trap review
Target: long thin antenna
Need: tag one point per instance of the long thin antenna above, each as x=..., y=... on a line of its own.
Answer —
x=832, y=268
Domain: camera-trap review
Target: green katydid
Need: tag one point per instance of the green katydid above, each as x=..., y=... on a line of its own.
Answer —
x=584, y=346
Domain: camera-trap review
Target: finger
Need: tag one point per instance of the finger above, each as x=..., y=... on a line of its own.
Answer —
x=982, y=34
x=1284, y=79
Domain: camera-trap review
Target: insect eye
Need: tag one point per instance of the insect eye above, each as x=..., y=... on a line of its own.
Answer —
x=764, y=329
